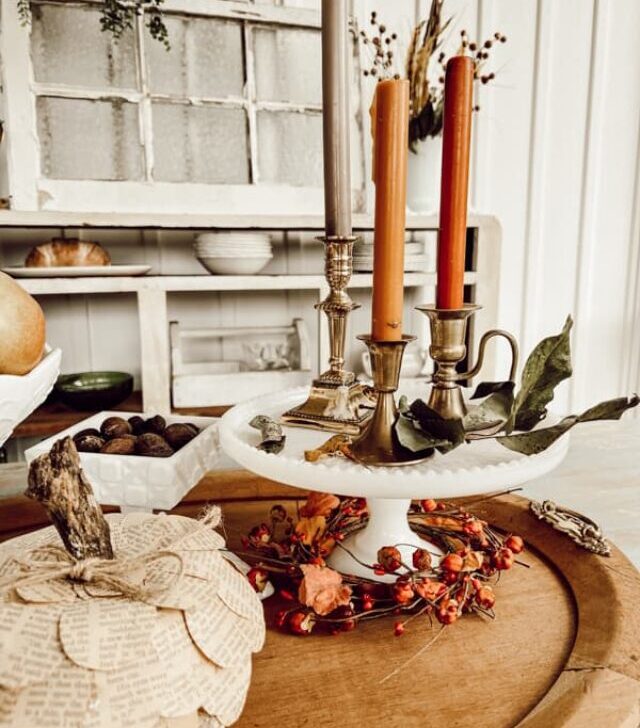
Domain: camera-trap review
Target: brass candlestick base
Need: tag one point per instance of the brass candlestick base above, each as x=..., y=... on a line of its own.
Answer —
x=336, y=402
x=448, y=347
x=378, y=444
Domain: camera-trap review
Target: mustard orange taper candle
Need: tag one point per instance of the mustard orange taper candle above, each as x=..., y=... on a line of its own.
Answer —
x=456, y=141
x=390, y=127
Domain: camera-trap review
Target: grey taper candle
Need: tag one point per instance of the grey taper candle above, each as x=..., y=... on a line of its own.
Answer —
x=335, y=105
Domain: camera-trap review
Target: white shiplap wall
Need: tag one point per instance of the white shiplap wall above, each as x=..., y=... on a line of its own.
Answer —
x=556, y=159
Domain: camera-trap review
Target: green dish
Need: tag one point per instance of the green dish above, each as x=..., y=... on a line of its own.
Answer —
x=93, y=390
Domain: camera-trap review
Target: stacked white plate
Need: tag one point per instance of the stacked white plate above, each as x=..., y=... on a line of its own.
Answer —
x=415, y=259
x=233, y=253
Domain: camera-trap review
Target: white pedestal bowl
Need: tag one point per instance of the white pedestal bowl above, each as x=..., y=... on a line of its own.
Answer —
x=482, y=466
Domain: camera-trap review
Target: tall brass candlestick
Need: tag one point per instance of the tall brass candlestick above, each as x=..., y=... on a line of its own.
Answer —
x=335, y=399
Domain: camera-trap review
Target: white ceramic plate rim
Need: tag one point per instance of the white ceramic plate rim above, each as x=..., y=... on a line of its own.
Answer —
x=77, y=271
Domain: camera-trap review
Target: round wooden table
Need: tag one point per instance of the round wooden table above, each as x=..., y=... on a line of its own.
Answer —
x=564, y=649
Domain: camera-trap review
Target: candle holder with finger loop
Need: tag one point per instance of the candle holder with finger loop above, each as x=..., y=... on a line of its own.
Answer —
x=448, y=348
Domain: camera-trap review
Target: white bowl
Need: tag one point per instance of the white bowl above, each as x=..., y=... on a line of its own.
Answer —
x=134, y=482
x=235, y=266
x=232, y=249
x=231, y=254
x=19, y=396
x=239, y=238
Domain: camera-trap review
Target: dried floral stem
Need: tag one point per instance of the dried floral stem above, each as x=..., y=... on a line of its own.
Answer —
x=425, y=65
x=413, y=657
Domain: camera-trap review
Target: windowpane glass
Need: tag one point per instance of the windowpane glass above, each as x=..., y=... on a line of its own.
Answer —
x=68, y=47
x=205, y=59
x=288, y=65
x=290, y=148
x=82, y=139
x=200, y=144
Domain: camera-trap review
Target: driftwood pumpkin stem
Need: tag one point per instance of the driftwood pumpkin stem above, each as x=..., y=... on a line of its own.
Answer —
x=56, y=480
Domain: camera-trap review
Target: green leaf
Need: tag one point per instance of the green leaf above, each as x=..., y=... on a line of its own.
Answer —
x=548, y=365
x=496, y=409
x=530, y=443
x=411, y=438
x=612, y=409
x=486, y=388
x=437, y=427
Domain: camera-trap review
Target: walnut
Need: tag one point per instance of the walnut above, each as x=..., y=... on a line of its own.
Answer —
x=89, y=442
x=125, y=445
x=155, y=424
x=152, y=445
x=87, y=431
x=115, y=427
x=179, y=434
x=137, y=424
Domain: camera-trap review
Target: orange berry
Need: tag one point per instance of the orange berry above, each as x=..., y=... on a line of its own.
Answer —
x=447, y=613
x=485, y=597
x=428, y=505
x=421, y=559
x=515, y=543
x=452, y=562
x=402, y=592
x=503, y=559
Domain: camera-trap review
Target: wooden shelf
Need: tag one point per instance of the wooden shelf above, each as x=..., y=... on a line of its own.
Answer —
x=17, y=218
x=54, y=417
x=107, y=284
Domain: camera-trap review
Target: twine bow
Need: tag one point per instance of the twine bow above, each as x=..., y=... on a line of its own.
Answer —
x=52, y=563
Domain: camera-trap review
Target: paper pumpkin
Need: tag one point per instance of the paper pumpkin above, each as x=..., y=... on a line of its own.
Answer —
x=77, y=654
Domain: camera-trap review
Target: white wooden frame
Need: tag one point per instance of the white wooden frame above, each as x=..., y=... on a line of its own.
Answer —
x=151, y=291
x=29, y=190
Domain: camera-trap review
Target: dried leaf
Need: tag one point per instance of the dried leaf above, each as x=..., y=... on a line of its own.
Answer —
x=311, y=529
x=494, y=411
x=531, y=443
x=472, y=561
x=437, y=427
x=319, y=504
x=322, y=589
x=336, y=445
x=412, y=438
x=548, y=365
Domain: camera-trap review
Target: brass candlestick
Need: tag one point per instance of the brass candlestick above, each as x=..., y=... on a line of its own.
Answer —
x=448, y=347
x=336, y=402
x=378, y=444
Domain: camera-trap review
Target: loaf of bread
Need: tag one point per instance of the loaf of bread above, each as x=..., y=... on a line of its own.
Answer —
x=67, y=252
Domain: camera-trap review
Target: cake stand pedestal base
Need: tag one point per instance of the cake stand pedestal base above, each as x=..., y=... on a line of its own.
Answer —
x=388, y=526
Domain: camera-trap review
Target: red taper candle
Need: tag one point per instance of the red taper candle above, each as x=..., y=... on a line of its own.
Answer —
x=456, y=142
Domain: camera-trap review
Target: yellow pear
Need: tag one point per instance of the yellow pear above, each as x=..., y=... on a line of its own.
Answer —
x=22, y=328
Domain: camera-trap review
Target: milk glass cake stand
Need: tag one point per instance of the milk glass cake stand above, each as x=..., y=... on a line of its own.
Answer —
x=482, y=466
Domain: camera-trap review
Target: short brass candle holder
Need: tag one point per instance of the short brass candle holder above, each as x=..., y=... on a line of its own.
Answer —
x=448, y=348
x=378, y=443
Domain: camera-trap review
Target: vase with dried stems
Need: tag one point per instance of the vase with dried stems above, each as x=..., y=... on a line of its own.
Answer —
x=424, y=68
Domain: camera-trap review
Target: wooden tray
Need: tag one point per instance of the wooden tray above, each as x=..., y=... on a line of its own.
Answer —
x=564, y=649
